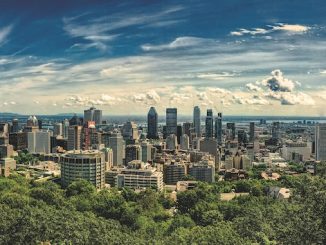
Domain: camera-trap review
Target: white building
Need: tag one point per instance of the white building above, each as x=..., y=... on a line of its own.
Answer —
x=39, y=142
x=184, y=142
x=320, y=140
x=139, y=175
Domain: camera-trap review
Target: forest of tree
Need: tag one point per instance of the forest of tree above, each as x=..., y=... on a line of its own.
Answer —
x=31, y=213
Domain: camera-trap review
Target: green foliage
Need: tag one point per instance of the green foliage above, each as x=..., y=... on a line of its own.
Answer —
x=31, y=213
x=24, y=157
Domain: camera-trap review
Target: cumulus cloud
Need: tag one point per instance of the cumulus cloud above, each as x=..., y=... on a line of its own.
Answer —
x=149, y=98
x=253, y=87
x=291, y=28
x=278, y=83
x=297, y=98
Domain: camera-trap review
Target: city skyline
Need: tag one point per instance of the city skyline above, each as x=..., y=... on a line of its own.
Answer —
x=261, y=58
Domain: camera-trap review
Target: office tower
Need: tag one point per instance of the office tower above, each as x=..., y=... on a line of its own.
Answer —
x=242, y=137
x=152, y=124
x=105, y=138
x=92, y=114
x=65, y=127
x=276, y=130
x=108, y=156
x=179, y=133
x=18, y=140
x=171, y=142
x=171, y=121
x=139, y=175
x=173, y=172
x=187, y=128
x=75, y=121
x=90, y=137
x=133, y=152
x=218, y=128
x=40, y=124
x=88, y=165
x=209, y=125
x=210, y=146
x=116, y=143
x=32, y=121
x=15, y=126
x=74, y=137
x=231, y=130
x=6, y=151
x=202, y=171
x=39, y=142
x=146, y=151
x=57, y=129
x=320, y=142
x=252, y=132
x=196, y=121
x=130, y=131
x=184, y=145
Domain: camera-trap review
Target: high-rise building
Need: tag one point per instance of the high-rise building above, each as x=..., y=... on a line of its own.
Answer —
x=252, y=132
x=75, y=121
x=184, y=145
x=242, y=137
x=139, y=175
x=39, y=142
x=276, y=130
x=203, y=171
x=196, y=121
x=133, y=152
x=320, y=142
x=88, y=165
x=146, y=151
x=15, y=126
x=18, y=140
x=171, y=121
x=32, y=122
x=74, y=138
x=171, y=142
x=65, y=127
x=152, y=124
x=93, y=114
x=57, y=130
x=116, y=143
x=231, y=130
x=218, y=128
x=173, y=172
x=130, y=131
x=209, y=124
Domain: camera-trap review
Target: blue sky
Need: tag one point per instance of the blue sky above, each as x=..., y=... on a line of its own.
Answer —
x=238, y=57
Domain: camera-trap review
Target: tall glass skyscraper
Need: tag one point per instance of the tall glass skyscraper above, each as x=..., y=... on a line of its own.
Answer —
x=196, y=121
x=320, y=142
x=92, y=114
x=209, y=124
x=152, y=124
x=171, y=121
x=218, y=128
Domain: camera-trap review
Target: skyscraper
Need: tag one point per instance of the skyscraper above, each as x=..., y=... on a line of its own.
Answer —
x=218, y=128
x=133, y=152
x=116, y=143
x=57, y=130
x=152, y=124
x=320, y=142
x=92, y=114
x=231, y=128
x=196, y=121
x=74, y=138
x=252, y=132
x=65, y=127
x=276, y=130
x=171, y=121
x=209, y=124
x=15, y=126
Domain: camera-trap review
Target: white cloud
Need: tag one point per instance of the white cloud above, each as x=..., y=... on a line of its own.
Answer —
x=4, y=33
x=180, y=42
x=288, y=28
x=253, y=87
x=287, y=98
x=278, y=83
x=291, y=28
x=215, y=76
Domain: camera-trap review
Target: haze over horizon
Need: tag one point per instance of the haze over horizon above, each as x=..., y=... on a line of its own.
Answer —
x=257, y=58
